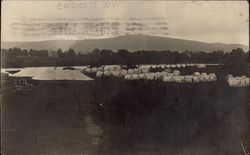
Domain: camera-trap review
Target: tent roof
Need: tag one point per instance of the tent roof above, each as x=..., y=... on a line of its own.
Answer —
x=30, y=72
x=7, y=70
x=51, y=73
x=58, y=74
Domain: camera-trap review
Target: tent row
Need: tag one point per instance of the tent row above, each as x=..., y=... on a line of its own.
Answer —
x=136, y=72
x=173, y=66
x=196, y=77
x=173, y=77
x=166, y=76
x=102, y=68
x=237, y=81
x=116, y=71
x=141, y=68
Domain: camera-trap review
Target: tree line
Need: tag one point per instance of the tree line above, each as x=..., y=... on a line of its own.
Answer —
x=16, y=57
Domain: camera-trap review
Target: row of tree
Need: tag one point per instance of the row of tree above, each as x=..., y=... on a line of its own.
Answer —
x=236, y=56
x=18, y=52
x=99, y=57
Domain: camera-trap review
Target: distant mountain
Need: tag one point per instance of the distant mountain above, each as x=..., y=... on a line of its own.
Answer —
x=48, y=44
x=129, y=42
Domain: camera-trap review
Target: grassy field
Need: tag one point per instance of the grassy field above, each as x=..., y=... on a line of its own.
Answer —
x=137, y=117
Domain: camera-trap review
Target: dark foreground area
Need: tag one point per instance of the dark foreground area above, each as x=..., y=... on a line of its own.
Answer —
x=136, y=117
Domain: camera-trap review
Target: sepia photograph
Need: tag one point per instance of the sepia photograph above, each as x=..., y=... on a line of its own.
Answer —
x=136, y=77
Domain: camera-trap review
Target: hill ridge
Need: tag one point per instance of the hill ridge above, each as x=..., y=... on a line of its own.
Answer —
x=129, y=42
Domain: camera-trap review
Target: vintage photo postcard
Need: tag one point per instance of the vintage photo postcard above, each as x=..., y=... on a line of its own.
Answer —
x=125, y=77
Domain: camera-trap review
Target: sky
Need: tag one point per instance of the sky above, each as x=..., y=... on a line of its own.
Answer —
x=206, y=21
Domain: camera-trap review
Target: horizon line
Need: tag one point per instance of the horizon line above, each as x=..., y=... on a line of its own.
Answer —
x=125, y=36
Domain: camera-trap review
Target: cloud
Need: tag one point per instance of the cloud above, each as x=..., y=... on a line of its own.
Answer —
x=199, y=20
